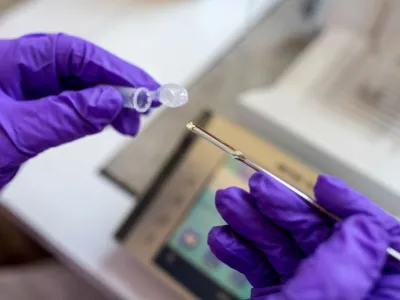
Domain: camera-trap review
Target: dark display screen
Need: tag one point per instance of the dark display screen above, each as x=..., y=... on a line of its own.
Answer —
x=186, y=255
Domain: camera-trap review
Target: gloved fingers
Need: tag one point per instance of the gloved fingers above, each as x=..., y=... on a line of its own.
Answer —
x=387, y=288
x=89, y=65
x=92, y=65
x=285, y=209
x=237, y=208
x=346, y=266
x=35, y=126
x=127, y=122
x=338, y=198
x=51, y=63
x=241, y=256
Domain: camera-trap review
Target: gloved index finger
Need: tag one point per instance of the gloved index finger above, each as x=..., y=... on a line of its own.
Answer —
x=285, y=209
x=236, y=207
x=84, y=64
x=340, y=199
x=81, y=64
x=337, y=197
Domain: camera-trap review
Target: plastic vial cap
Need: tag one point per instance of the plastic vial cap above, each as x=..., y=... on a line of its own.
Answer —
x=173, y=95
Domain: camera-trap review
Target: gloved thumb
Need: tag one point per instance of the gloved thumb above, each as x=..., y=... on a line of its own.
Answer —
x=346, y=266
x=54, y=120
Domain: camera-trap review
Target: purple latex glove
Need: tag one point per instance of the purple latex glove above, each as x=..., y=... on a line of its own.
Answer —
x=54, y=89
x=287, y=251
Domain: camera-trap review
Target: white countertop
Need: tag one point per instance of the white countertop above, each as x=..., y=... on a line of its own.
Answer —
x=60, y=194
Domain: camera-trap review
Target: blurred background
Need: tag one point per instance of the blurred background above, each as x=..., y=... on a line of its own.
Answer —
x=314, y=80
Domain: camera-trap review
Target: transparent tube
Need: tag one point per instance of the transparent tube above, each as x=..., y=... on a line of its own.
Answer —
x=140, y=99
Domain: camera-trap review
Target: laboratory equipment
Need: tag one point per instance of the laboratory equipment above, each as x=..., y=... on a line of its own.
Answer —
x=171, y=95
x=369, y=93
x=238, y=155
x=336, y=107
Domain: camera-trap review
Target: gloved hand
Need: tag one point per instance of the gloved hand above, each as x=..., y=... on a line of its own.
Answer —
x=53, y=90
x=287, y=251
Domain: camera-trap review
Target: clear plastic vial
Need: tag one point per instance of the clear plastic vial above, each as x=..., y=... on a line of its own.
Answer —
x=171, y=95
